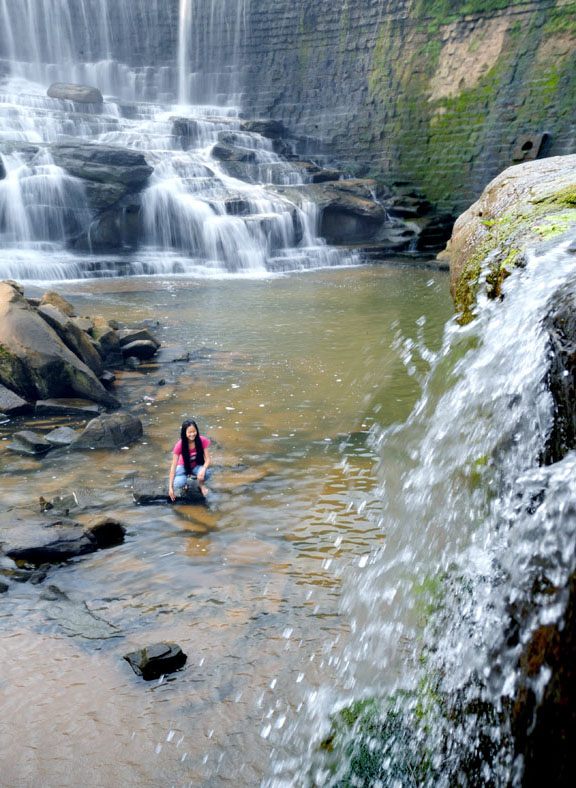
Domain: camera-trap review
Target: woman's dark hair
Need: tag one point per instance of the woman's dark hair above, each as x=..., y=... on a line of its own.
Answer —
x=186, y=446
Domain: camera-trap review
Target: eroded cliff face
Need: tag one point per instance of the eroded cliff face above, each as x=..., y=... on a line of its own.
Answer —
x=441, y=93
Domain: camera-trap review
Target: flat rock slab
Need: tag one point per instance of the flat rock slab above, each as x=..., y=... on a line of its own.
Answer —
x=75, y=617
x=49, y=547
x=154, y=661
x=47, y=541
x=148, y=492
x=28, y=442
x=61, y=436
x=171, y=354
x=68, y=406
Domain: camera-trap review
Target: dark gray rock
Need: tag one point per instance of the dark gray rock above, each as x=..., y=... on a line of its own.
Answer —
x=267, y=128
x=68, y=406
x=82, y=94
x=28, y=442
x=109, y=432
x=148, y=492
x=107, y=531
x=11, y=403
x=128, y=335
x=154, y=661
x=225, y=152
x=3, y=587
x=141, y=349
x=103, y=163
x=60, y=546
x=62, y=436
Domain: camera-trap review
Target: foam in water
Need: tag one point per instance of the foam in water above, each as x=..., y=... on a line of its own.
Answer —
x=472, y=525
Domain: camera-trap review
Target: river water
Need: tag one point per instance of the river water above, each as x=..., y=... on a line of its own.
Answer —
x=291, y=377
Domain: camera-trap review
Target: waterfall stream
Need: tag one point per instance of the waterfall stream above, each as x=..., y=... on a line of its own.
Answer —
x=478, y=553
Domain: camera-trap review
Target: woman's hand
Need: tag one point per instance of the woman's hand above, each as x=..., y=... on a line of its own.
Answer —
x=201, y=474
x=171, y=493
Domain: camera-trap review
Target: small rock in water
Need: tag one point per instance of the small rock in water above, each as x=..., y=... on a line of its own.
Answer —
x=28, y=442
x=107, y=531
x=153, y=661
x=11, y=403
x=62, y=436
x=3, y=587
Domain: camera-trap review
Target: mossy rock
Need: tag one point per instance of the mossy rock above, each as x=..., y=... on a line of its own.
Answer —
x=524, y=208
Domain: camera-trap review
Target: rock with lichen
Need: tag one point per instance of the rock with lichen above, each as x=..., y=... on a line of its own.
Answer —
x=524, y=208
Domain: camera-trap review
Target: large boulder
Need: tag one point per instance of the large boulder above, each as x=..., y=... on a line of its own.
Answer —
x=82, y=94
x=111, y=431
x=73, y=337
x=34, y=362
x=103, y=163
x=349, y=212
x=523, y=208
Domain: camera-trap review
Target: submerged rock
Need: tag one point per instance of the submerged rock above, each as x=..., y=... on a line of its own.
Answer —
x=75, y=617
x=148, y=492
x=154, y=661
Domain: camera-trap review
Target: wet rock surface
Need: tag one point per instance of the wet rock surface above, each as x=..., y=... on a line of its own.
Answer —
x=83, y=94
x=109, y=432
x=75, y=618
x=148, y=492
x=151, y=662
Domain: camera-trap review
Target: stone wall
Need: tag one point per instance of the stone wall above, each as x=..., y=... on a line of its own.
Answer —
x=443, y=94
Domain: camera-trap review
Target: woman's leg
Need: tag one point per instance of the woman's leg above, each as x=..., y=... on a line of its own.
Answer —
x=179, y=478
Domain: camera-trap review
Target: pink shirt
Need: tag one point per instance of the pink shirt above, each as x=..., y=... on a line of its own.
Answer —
x=178, y=450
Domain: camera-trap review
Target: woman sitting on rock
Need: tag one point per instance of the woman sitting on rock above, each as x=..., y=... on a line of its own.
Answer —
x=190, y=458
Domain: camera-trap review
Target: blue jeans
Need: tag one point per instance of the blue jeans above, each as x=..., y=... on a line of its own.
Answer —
x=180, y=477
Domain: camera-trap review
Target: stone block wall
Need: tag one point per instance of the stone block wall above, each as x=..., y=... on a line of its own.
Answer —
x=442, y=94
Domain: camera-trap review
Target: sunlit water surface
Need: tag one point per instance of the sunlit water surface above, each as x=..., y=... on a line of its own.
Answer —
x=287, y=377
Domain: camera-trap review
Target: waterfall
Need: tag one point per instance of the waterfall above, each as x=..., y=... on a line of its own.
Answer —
x=210, y=206
x=210, y=41
x=478, y=550
x=108, y=43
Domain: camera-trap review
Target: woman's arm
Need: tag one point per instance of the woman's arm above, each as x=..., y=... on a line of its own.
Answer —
x=171, y=479
x=204, y=468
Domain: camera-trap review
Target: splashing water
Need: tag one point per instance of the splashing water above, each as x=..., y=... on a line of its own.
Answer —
x=473, y=525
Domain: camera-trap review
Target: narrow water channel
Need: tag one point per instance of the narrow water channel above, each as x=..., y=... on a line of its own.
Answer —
x=287, y=376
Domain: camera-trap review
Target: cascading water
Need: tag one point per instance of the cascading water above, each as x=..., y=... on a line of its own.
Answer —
x=210, y=205
x=478, y=553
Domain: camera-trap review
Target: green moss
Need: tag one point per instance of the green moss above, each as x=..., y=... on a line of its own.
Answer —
x=501, y=251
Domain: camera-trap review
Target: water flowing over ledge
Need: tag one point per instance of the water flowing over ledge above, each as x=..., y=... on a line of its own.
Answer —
x=477, y=562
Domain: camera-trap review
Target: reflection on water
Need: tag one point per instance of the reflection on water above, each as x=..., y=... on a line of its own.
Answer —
x=287, y=376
